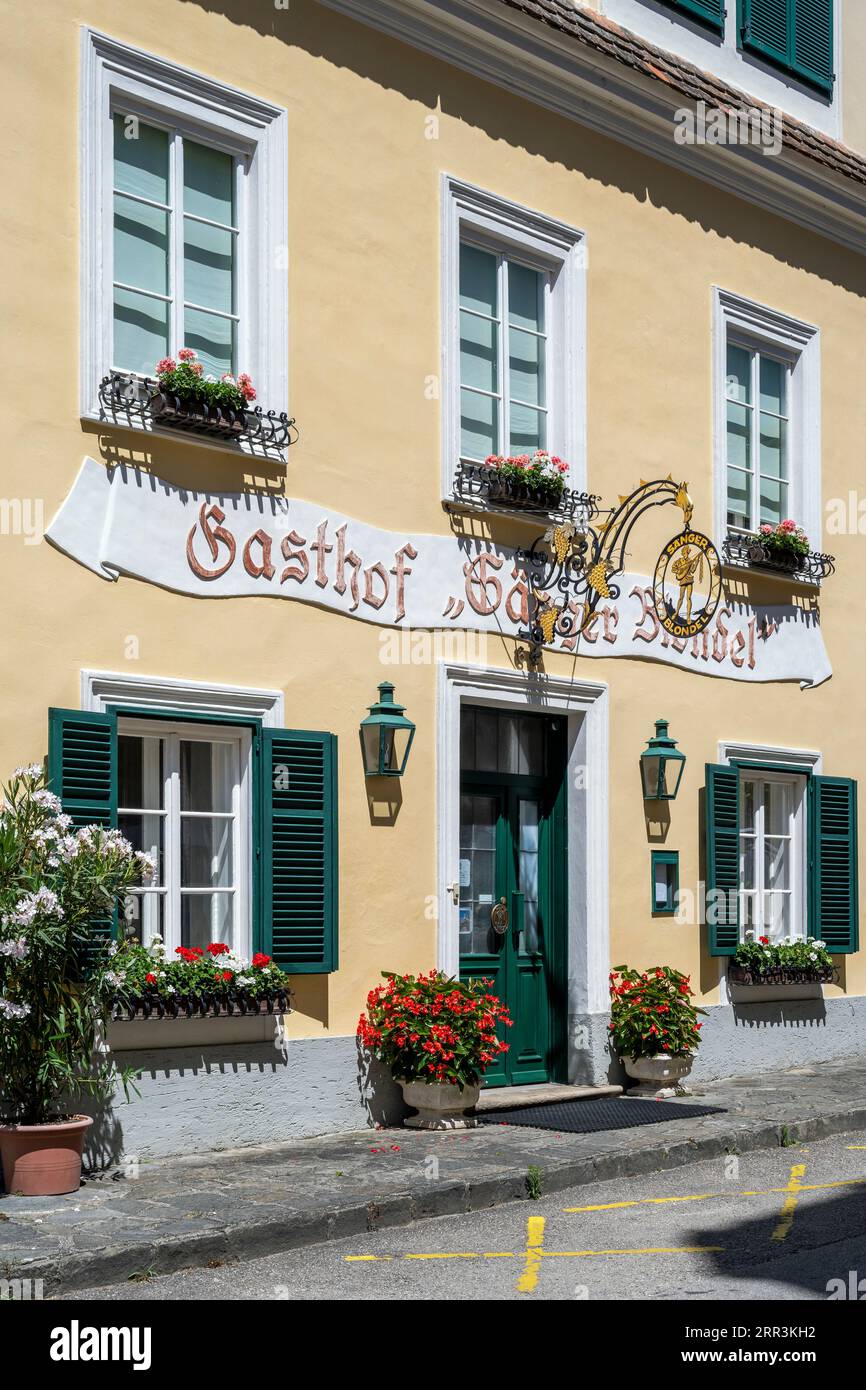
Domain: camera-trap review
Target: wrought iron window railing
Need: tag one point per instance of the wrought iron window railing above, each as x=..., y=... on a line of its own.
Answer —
x=477, y=484
x=236, y=1003
x=783, y=975
x=746, y=552
x=128, y=399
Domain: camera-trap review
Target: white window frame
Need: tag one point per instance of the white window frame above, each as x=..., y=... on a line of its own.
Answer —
x=501, y=226
x=118, y=77
x=168, y=882
x=798, y=869
x=752, y=325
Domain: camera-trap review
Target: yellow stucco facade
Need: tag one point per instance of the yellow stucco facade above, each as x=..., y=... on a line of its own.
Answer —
x=365, y=342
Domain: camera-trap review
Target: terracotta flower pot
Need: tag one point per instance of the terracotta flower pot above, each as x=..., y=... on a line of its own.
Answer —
x=440, y=1104
x=43, y=1160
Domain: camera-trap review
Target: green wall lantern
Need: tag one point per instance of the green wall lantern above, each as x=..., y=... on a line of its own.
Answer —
x=386, y=736
x=661, y=765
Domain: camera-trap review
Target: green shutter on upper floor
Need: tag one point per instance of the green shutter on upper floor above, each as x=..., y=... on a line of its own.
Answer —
x=833, y=893
x=723, y=859
x=709, y=11
x=298, y=826
x=796, y=34
x=82, y=771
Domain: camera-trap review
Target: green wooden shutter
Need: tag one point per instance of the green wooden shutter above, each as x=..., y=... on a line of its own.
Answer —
x=723, y=859
x=710, y=11
x=798, y=34
x=298, y=851
x=82, y=771
x=812, y=49
x=833, y=897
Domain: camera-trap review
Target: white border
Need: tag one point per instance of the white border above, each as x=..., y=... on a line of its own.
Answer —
x=99, y=689
x=549, y=244
x=794, y=759
x=109, y=67
x=801, y=343
x=586, y=704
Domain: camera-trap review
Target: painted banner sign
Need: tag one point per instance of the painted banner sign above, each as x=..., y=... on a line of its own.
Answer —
x=122, y=521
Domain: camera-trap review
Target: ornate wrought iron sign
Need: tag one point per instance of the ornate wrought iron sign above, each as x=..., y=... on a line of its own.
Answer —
x=570, y=568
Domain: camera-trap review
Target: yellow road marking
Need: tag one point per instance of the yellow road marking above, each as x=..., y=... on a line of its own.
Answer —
x=641, y=1201
x=789, y=1206
x=855, y=1146
x=537, y=1253
x=534, y=1242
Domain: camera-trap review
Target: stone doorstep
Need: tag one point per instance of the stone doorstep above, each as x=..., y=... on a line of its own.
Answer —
x=548, y=1093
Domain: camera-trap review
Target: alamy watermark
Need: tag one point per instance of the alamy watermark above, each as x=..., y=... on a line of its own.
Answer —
x=758, y=126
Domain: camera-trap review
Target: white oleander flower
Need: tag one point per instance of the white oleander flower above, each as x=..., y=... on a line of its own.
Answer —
x=16, y=948
x=13, y=1011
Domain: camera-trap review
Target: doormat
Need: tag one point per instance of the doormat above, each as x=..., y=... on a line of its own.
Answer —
x=589, y=1116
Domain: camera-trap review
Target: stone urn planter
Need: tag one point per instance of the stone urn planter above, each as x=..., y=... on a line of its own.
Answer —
x=440, y=1105
x=43, y=1160
x=659, y=1077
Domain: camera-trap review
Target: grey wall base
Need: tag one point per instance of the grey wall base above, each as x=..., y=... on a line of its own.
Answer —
x=194, y=1099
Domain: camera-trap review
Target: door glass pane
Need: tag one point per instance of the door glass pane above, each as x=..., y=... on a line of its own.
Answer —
x=140, y=245
x=207, y=775
x=140, y=332
x=478, y=816
x=467, y=738
x=140, y=159
x=738, y=378
x=478, y=280
x=213, y=338
x=206, y=917
x=478, y=353
x=208, y=266
x=527, y=873
x=531, y=747
x=508, y=743
x=208, y=183
x=525, y=297
x=206, y=858
x=486, y=740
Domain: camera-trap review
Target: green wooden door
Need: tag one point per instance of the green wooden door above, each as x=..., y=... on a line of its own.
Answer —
x=512, y=856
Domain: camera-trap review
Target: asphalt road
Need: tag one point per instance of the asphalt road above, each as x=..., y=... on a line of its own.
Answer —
x=781, y=1224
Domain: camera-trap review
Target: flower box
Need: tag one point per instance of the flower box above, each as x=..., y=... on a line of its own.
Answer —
x=236, y=1004
x=167, y=409
x=782, y=975
x=751, y=552
x=500, y=489
x=133, y=401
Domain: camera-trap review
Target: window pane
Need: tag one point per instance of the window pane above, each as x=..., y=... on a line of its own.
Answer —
x=478, y=280
x=531, y=747
x=140, y=781
x=738, y=381
x=526, y=365
x=207, y=775
x=739, y=498
x=206, y=858
x=478, y=353
x=508, y=747
x=739, y=436
x=777, y=863
x=208, y=266
x=479, y=425
x=208, y=183
x=143, y=915
x=747, y=862
x=140, y=332
x=773, y=377
x=206, y=917
x=774, y=501
x=467, y=739
x=525, y=297
x=486, y=741
x=528, y=429
x=777, y=915
x=212, y=338
x=749, y=806
x=777, y=808
x=774, y=443
x=146, y=833
x=140, y=245
x=140, y=159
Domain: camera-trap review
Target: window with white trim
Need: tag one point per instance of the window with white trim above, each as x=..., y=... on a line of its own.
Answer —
x=772, y=855
x=176, y=247
x=183, y=796
x=767, y=413
x=514, y=338
x=184, y=223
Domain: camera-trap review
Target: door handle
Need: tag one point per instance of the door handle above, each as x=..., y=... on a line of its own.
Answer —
x=499, y=917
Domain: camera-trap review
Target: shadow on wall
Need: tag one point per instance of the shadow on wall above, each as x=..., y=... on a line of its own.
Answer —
x=380, y=1094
